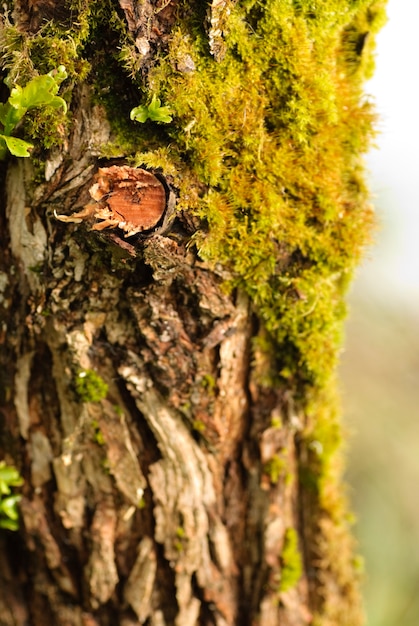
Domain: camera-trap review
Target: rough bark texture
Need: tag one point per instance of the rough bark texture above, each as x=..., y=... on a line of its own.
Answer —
x=150, y=520
x=178, y=498
x=130, y=512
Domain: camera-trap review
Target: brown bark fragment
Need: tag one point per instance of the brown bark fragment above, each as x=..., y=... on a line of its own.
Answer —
x=218, y=11
x=120, y=453
x=139, y=587
x=101, y=574
x=149, y=24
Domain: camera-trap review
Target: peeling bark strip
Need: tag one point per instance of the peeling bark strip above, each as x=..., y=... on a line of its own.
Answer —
x=177, y=471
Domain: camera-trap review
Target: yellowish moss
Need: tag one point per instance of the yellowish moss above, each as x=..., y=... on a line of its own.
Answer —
x=90, y=387
x=276, y=467
x=291, y=561
x=199, y=426
x=275, y=131
x=321, y=471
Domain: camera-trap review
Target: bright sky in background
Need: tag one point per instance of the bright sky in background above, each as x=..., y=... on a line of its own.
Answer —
x=392, y=266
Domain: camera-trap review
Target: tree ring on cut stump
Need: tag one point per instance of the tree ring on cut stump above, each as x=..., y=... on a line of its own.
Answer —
x=132, y=199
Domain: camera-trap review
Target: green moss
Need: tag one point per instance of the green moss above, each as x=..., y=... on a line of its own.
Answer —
x=179, y=543
x=97, y=433
x=322, y=441
x=90, y=387
x=291, y=561
x=180, y=532
x=275, y=131
x=276, y=421
x=199, y=426
x=331, y=544
x=209, y=383
x=275, y=468
x=24, y=56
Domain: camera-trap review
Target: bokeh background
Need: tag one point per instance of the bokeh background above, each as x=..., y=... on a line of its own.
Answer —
x=380, y=365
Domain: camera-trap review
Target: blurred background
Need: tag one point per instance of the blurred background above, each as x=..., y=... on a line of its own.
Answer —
x=380, y=365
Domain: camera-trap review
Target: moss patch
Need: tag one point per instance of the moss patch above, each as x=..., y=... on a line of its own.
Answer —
x=275, y=132
x=90, y=387
x=291, y=561
x=276, y=467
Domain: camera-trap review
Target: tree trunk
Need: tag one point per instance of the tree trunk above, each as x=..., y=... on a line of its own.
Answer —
x=167, y=395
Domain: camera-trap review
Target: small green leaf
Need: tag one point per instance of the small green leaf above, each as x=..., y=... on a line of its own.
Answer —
x=9, y=116
x=3, y=154
x=10, y=475
x=18, y=147
x=4, y=110
x=8, y=507
x=4, y=488
x=59, y=74
x=40, y=91
x=9, y=524
x=155, y=103
x=162, y=115
x=154, y=111
x=157, y=113
x=139, y=114
x=9, y=514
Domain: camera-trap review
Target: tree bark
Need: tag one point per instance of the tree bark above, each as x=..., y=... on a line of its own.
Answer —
x=182, y=493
